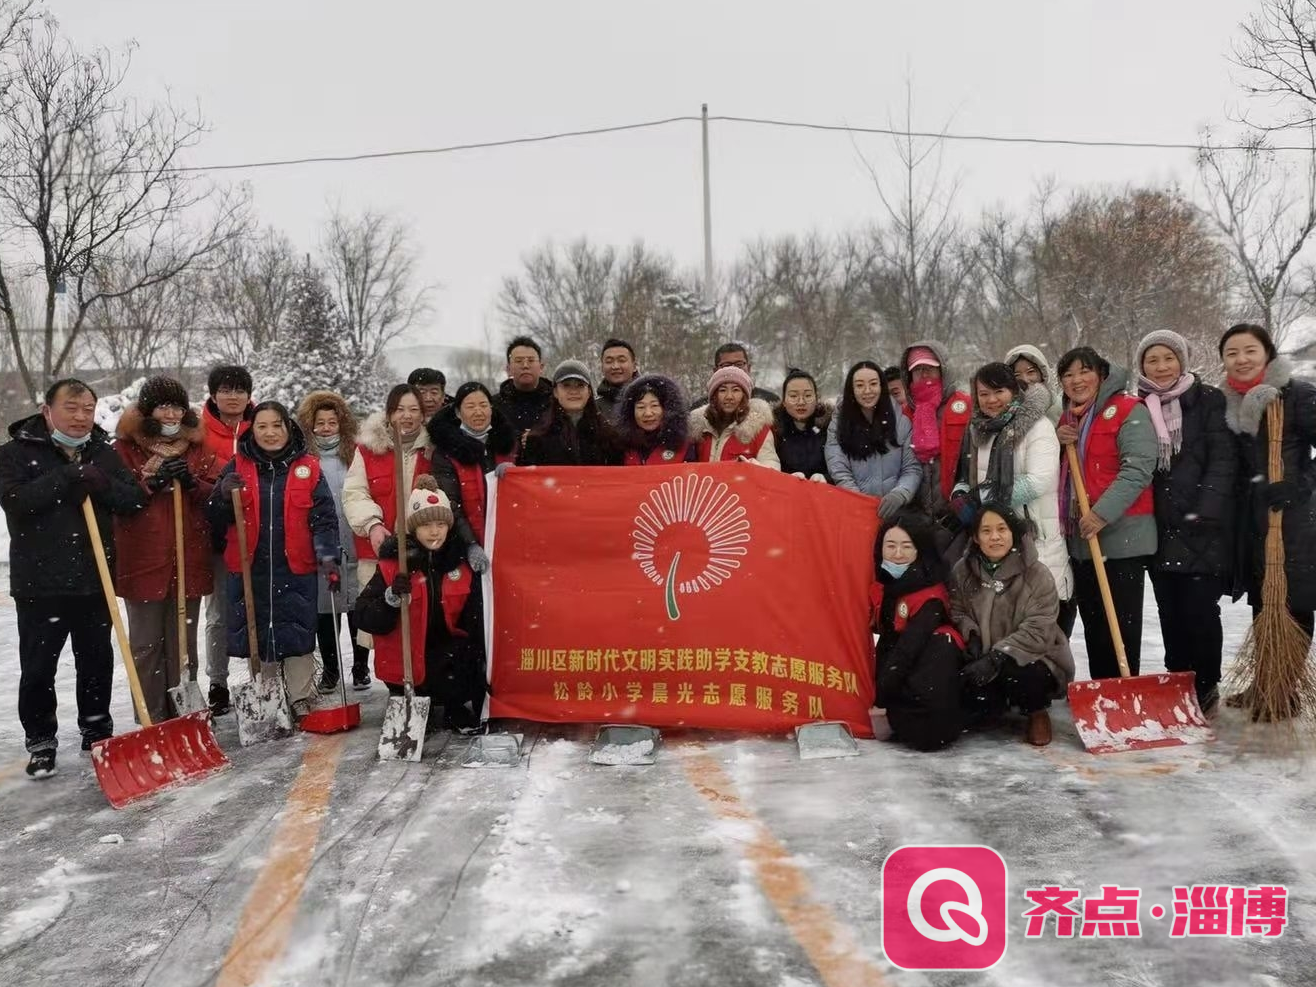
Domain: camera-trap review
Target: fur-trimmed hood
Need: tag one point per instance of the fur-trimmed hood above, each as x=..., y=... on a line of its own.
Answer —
x=1244, y=412
x=347, y=425
x=144, y=431
x=376, y=437
x=783, y=424
x=758, y=415
x=447, y=437
x=1035, y=356
x=948, y=386
x=673, y=433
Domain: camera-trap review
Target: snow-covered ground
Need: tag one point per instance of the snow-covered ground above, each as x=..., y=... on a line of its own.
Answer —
x=727, y=862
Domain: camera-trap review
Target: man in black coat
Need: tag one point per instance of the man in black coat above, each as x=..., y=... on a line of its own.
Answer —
x=57, y=458
x=736, y=354
x=526, y=394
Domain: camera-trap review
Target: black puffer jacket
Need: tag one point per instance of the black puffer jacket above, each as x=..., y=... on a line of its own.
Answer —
x=41, y=492
x=524, y=409
x=1195, y=502
x=286, y=602
x=453, y=448
x=1246, y=417
x=801, y=450
x=590, y=442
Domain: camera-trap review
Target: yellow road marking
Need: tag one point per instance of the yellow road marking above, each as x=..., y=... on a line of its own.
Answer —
x=825, y=940
x=10, y=770
x=268, y=915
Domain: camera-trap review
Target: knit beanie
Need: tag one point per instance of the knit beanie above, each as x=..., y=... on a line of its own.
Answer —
x=160, y=391
x=427, y=504
x=1162, y=337
x=730, y=375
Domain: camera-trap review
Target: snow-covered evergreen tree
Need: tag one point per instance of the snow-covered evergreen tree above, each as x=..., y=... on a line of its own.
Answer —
x=311, y=353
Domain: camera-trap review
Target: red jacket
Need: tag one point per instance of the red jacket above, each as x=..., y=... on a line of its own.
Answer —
x=388, y=647
x=221, y=442
x=145, y=564
x=1101, y=458
x=911, y=604
x=298, y=498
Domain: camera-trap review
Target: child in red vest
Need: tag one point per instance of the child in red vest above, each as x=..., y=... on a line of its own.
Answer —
x=919, y=651
x=445, y=608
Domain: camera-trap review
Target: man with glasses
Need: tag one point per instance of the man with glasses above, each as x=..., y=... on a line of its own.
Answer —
x=619, y=368
x=525, y=396
x=431, y=385
x=226, y=416
x=735, y=354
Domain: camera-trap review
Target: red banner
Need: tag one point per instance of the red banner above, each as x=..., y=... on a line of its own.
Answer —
x=723, y=595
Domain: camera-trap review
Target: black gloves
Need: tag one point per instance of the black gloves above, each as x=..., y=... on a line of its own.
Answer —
x=228, y=483
x=401, y=585
x=87, y=479
x=982, y=671
x=176, y=469
x=1281, y=495
x=973, y=646
x=158, y=481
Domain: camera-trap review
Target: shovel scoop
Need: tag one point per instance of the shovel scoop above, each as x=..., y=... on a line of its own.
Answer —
x=133, y=765
x=1135, y=713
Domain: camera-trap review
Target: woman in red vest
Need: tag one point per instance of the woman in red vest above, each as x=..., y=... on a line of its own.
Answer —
x=445, y=610
x=1117, y=449
x=733, y=425
x=470, y=437
x=654, y=423
x=370, y=501
x=919, y=651
x=940, y=415
x=292, y=539
x=160, y=439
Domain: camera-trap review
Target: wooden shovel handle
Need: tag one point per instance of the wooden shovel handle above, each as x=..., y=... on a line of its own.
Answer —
x=253, y=642
x=1099, y=563
x=112, y=603
x=181, y=580
x=400, y=532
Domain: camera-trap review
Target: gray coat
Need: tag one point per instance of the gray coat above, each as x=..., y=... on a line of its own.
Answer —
x=880, y=473
x=1013, y=610
x=1124, y=536
x=335, y=472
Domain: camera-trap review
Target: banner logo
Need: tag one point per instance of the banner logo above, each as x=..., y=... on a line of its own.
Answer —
x=690, y=534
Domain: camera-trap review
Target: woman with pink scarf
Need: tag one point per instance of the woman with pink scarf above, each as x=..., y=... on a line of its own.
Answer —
x=1193, y=491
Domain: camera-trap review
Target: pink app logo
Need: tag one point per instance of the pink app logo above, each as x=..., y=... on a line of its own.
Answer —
x=943, y=907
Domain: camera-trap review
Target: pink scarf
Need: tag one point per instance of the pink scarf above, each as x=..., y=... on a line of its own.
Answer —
x=1166, y=415
x=927, y=436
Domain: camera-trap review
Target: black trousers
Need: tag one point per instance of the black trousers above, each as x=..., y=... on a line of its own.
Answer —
x=1189, y=609
x=1126, y=588
x=326, y=634
x=44, y=624
x=1068, y=614
x=1026, y=688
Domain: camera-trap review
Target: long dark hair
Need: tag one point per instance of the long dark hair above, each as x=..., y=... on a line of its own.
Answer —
x=858, y=437
x=592, y=421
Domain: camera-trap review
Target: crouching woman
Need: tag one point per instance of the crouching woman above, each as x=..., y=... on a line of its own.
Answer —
x=919, y=651
x=445, y=610
x=1004, y=603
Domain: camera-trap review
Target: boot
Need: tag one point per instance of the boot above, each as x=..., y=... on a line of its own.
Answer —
x=219, y=699
x=328, y=681
x=42, y=764
x=1039, y=728
x=360, y=676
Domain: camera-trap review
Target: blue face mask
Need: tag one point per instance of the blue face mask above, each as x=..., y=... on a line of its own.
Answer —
x=895, y=569
x=68, y=441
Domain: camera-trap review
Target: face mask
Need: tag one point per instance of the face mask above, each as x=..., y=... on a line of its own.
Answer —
x=170, y=429
x=481, y=435
x=68, y=441
x=895, y=569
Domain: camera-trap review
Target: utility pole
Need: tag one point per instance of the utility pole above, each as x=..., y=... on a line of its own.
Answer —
x=708, y=219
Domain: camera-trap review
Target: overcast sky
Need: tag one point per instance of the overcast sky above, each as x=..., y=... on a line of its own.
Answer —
x=286, y=78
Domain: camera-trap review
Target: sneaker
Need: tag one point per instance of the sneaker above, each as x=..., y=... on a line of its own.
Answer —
x=41, y=765
x=1039, y=728
x=327, y=684
x=300, y=708
x=360, y=678
x=219, y=700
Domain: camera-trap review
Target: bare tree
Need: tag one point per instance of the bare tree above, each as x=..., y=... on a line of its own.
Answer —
x=1266, y=211
x=88, y=172
x=372, y=267
x=562, y=298
x=1277, y=51
x=247, y=295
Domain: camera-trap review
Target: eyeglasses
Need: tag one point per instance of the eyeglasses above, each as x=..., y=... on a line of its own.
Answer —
x=235, y=391
x=738, y=364
x=524, y=361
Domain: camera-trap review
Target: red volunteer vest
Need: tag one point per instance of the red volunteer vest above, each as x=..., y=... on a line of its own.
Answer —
x=666, y=457
x=1101, y=460
x=911, y=604
x=955, y=416
x=734, y=448
x=388, y=647
x=470, y=476
x=379, y=478
x=298, y=495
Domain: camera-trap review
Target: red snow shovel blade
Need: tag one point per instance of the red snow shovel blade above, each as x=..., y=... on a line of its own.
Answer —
x=1136, y=713
x=134, y=765
x=334, y=719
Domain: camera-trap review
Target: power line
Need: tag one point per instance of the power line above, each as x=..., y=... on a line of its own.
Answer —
x=721, y=118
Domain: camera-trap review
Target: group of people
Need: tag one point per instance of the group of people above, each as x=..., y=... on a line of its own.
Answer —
x=981, y=566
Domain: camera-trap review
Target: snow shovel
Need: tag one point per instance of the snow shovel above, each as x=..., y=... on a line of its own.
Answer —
x=625, y=744
x=1132, y=712
x=186, y=695
x=403, y=734
x=260, y=706
x=334, y=719
x=493, y=750
x=829, y=738
x=156, y=755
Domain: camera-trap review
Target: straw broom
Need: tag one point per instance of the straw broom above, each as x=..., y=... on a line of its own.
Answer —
x=1273, y=669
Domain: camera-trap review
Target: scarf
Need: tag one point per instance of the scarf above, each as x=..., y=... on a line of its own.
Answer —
x=927, y=435
x=327, y=443
x=1083, y=421
x=162, y=449
x=478, y=436
x=1243, y=386
x=1166, y=415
